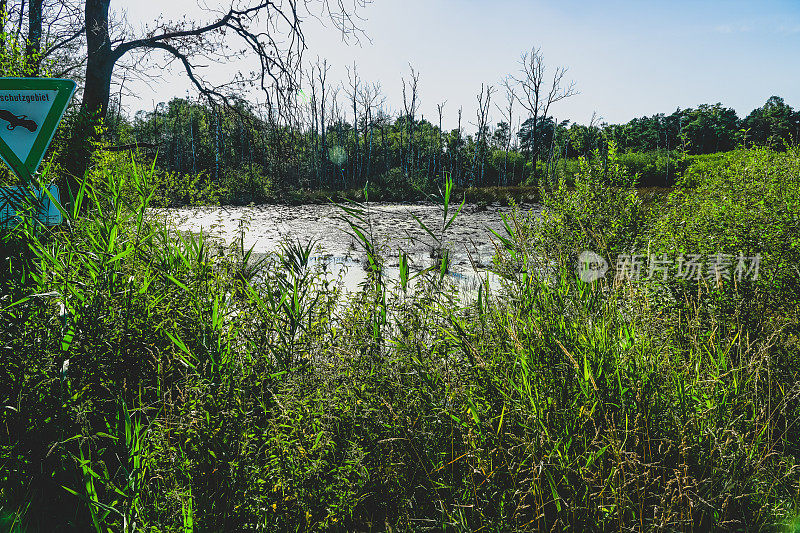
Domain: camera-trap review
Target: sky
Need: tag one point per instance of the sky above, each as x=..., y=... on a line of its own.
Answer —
x=627, y=58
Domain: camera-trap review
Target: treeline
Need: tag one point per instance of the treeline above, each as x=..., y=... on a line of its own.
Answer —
x=344, y=138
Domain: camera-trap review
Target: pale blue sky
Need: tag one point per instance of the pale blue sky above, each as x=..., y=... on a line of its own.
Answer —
x=627, y=58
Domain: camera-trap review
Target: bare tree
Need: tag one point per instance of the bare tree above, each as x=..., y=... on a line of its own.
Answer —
x=455, y=159
x=21, y=19
x=63, y=40
x=268, y=30
x=410, y=108
x=314, y=124
x=508, y=117
x=440, y=109
x=337, y=119
x=383, y=120
x=370, y=99
x=484, y=99
x=317, y=79
x=352, y=90
x=50, y=32
x=322, y=77
x=538, y=93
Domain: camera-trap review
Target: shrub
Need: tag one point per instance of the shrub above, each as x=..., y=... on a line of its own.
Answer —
x=656, y=168
x=601, y=213
x=743, y=204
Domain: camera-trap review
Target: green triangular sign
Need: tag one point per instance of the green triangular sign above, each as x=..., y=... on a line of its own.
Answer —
x=30, y=111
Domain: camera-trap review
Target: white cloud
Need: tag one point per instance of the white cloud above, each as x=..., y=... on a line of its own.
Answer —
x=732, y=28
x=789, y=29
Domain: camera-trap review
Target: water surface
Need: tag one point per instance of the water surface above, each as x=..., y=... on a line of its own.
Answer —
x=469, y=239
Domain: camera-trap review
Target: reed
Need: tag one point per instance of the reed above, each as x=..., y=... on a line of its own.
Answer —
x=154, y=381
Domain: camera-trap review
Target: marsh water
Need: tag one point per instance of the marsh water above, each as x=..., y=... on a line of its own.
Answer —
x=393, y=225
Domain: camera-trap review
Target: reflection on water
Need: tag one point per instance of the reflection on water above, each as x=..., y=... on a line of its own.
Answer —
x=352, y=273
x=393, y=227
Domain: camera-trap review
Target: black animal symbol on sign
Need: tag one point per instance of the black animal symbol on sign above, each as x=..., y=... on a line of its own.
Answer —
x=14, y=121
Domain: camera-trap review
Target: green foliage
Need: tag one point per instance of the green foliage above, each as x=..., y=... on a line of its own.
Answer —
x=775, y=125
x=15, y=62
x=654, y=168
x=602, y=212
x=249, y=158
x=156, y=382
x=169, y=188
x=245, y=185
x=742, y=204
x=397, y=185
x=507, y=165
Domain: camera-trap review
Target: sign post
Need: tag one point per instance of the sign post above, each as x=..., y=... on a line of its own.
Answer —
x=30, y=111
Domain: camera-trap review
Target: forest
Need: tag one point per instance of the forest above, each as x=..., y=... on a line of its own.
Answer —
x=335, y=136
x=248, y=151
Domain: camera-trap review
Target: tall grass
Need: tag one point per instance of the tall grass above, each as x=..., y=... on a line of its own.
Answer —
x=157, y=381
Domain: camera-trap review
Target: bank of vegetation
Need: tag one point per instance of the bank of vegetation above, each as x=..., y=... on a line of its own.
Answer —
x=153, y=382
x=248, y=154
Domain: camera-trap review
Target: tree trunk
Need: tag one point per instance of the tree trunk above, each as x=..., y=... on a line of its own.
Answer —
x=33, y=46
x=100, y=61
x=3, y=21
x=96, y=91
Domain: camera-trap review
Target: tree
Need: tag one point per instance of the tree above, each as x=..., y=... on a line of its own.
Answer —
x=34, y=35
x=503, y=132
x=773, y=124
x=185, y=42
x=440, y=110
x=38, y=37
x=371, y=100
x=711, y=128
x=535, y=137
x=352, y=91
x=479, y=157
x=410, y=108
x=537, y=94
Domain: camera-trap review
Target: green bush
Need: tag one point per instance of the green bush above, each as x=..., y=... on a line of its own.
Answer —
x=169, y=189
x=511, y=164
x=602, y=212
x=658, y=168
x=652, y=169
x=245, y=185
x=397, y=185
x=744, y=204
